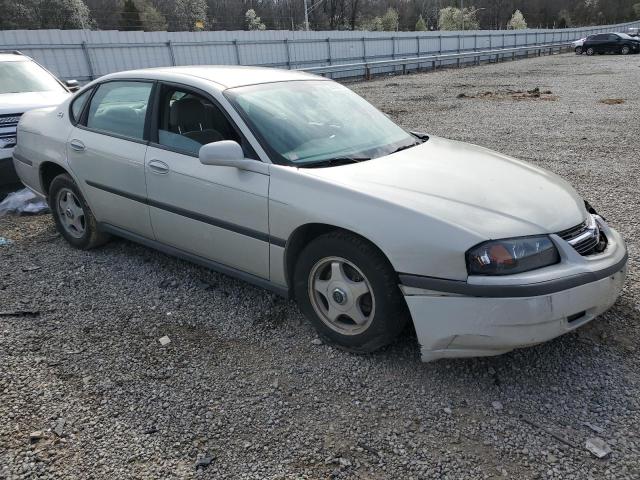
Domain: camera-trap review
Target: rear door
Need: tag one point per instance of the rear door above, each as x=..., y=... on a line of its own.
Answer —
x=217, y=213
x=601, y=42
x=106, y=151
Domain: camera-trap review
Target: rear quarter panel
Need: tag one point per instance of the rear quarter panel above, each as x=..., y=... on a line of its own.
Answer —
x=42, y=137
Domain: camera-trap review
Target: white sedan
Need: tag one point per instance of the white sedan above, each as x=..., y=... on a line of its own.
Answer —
x=577, y=45
x=294, y=183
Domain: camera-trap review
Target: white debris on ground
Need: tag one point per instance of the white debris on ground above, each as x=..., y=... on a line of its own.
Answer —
x=21, y=202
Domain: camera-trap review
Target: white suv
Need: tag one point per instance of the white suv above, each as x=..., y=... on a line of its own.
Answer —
x=24, y=85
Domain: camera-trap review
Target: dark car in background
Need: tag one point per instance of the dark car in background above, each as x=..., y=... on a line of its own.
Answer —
x=611, y=43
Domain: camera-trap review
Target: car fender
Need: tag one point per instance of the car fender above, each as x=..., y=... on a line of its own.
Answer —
x=413, y=241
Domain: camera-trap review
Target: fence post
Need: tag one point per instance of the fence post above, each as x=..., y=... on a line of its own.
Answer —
x=329, y=50
x=364, y=49
x=172, y=55
x=393, y=48
x=440, y=44
x=418, y=51
x=237, y=50
x=286, y=46
x=87, y=57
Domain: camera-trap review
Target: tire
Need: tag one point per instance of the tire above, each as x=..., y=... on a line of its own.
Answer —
x=590, y=51
x=625, y=50
x=578, y=50
x=341, y=273
x=73, y=217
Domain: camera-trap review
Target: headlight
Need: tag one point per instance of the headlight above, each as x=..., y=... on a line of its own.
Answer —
x=513, y=255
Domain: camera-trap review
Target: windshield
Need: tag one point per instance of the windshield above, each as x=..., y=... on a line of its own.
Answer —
x=25, y=76
x=624, y=35
x=310, y=122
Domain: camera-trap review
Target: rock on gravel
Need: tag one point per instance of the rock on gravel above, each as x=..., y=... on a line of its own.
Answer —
x=133, y=409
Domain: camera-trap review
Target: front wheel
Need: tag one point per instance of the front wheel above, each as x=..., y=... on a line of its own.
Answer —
x=578, y=50
x=73, y=217
x=348, y=290
x=625, y=50
x=590, y=51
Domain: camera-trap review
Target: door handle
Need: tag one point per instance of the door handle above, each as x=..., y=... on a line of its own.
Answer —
x=77, y=145
x=156, y=166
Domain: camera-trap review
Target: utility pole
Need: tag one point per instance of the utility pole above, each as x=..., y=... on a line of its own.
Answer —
x=306, y=16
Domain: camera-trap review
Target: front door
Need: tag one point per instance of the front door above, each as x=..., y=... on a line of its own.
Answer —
x=217, y=213
x=106, y=152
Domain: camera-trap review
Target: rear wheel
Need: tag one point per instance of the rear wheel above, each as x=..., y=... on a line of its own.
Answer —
x=72, y=215
x=578, y=50
x=348, y=290
x=625, y=50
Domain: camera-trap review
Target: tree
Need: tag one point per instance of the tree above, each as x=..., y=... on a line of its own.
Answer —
x=390, y=20
x=152, y=19
x=636, y=10
x=421, y=25
x=35, y=14
x=517, y=21
x=373, y=25
x=451, y=18
x=130, y=17
x=565, y=19
x=253, y=21
x=189, y=15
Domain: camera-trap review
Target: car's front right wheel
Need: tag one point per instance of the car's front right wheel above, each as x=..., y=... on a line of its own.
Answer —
x=625, y=50
x=348, y=290
x=578, y=50
x=73, y=217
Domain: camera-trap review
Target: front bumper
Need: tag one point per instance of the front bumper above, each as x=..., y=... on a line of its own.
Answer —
x=8, y=175
x=451, y=325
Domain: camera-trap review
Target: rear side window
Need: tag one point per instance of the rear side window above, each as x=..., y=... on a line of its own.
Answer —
x=78, y=105
x=120, y=108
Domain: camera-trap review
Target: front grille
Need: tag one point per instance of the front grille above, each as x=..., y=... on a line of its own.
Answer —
x=8, y=124
x=586, y=238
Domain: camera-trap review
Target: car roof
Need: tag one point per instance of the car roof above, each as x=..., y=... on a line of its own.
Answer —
x=13, y=57
x=226, y=76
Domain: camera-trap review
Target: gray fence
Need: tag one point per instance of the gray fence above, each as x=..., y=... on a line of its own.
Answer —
x=86, y=54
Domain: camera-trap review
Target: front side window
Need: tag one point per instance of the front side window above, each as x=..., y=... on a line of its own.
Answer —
x=311, y=122
x=189, y=120
x=26, y=76
x=120, y=108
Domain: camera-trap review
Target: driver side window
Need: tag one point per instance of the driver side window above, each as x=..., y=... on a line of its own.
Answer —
x=188, y=120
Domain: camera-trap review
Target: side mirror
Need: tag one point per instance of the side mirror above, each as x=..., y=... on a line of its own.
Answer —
x=227, y=153
x=72, y=85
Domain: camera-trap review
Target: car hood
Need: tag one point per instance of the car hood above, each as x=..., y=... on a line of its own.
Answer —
x=484, y=192
x=21, y=102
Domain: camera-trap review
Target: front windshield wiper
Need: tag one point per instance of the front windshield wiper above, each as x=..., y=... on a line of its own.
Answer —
x=404, y=147
x=335, y=161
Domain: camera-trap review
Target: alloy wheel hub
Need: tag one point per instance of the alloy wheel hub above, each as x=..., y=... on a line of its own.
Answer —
x=339, y=296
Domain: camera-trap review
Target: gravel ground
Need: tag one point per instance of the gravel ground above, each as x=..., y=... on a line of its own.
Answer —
x=243, y=391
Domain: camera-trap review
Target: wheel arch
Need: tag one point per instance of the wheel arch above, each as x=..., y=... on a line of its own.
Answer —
x=305, y=234
x=49, y=171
